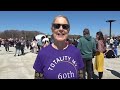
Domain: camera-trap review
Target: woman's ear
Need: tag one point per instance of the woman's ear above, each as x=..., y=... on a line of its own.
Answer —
x=52, y=29
x=68, y=30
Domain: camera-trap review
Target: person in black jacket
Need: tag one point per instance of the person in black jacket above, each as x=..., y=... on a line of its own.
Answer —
x=18, y=47
x=22, y=45
x=7, y=45
x=110, y=53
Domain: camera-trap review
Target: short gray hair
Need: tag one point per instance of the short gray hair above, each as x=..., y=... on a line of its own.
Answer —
x=86, y=31
x=63, y=17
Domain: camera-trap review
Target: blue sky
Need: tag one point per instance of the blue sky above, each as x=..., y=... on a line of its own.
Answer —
x=41, y=21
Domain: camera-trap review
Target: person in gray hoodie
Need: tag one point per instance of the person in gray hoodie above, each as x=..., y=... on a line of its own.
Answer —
x=87, y=46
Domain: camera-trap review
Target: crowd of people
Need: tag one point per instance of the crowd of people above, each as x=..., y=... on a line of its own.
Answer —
x=59, y=57
x=19, y=45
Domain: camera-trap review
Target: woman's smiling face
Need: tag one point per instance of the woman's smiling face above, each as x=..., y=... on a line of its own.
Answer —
x=60, y=29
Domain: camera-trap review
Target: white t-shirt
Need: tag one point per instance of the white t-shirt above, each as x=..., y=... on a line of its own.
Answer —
x=45, y=39
x=111, y=41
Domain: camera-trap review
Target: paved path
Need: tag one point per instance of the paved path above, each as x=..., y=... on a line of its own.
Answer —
x=21, y=67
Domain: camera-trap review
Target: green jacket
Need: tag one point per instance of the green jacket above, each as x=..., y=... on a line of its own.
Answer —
x=87, y=46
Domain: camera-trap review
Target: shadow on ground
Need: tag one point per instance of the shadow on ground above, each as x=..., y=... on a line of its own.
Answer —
x=26, y=53
x=10, y=51
x=95, y=76
x=117, y=74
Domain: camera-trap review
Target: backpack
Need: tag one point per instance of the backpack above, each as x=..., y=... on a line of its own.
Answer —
x=110, y=54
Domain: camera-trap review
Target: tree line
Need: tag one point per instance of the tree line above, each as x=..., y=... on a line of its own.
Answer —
x=28, y=35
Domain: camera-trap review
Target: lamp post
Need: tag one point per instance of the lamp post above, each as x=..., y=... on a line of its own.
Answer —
x=110, y=21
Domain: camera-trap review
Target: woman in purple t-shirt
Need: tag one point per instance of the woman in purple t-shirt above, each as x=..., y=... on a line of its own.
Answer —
x=59, y=60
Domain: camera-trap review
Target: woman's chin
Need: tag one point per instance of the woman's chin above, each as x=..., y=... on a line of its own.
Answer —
x=60, y=39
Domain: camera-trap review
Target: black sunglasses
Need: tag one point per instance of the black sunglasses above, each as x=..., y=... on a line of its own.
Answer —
x=64, y=26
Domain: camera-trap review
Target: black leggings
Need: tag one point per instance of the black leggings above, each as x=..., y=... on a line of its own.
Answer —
x=100, y=74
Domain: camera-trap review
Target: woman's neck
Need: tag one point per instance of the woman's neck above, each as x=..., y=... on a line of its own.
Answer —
x=59, y=45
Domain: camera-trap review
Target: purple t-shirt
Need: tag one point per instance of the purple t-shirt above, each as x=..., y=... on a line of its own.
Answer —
x=59, y=64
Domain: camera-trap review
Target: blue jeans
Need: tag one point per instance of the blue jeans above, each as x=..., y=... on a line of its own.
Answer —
x=115, y=51
x=17, y=51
